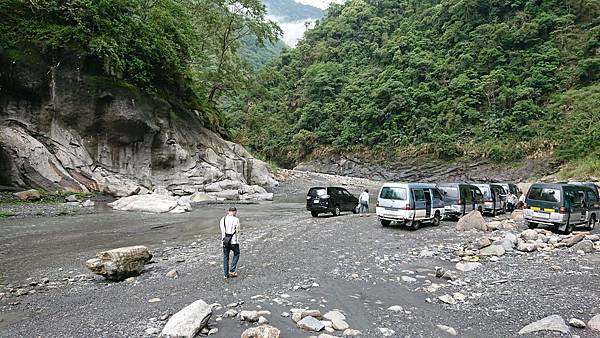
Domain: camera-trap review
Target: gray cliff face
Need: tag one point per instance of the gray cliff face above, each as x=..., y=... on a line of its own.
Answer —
x=63, y=126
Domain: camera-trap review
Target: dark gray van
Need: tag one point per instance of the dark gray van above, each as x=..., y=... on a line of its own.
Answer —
x=460, y=199
x=562, y=206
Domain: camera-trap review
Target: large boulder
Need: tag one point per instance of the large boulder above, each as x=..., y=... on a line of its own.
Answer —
x=550, y=323
x=470, y=221
x=227, y=195
x=153, y=203
x=118, y=264
x=29, y=195
x=263, y=331
x=188, y=322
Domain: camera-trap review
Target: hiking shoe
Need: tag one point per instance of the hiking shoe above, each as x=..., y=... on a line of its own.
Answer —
x=226, y=279
x=233, y=274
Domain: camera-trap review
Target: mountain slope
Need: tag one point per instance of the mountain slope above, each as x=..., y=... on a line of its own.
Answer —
x=469, y=78
x=289, y=10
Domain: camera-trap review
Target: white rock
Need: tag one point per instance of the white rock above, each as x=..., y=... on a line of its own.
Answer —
x=250, y=316
x=153, y=203
x=408, y=279
x=594, y=323
x=152, y=331
x=467, y=266
x=492, y=250
x=550, y=323
x=331, y=315
x=447, y=299
x=395, y=308
x=472, y=220
x=188, y=321
x=351, y=333
x=574, y=322
x=386, y=332
x=448, y=329
x=339, y=324
x=263, y=331
x=88, y=204
x=310, y=323
x=529, y=235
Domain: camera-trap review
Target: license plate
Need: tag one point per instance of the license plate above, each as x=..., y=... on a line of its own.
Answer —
x=316, y=201
x=542, y=215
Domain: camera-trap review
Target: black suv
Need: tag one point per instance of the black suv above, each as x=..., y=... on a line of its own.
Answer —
x=331, y=199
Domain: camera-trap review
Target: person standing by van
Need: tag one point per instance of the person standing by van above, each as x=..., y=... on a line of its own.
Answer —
x=230, y=228
x=521, y=201
x=511, y=201
x=363, y=202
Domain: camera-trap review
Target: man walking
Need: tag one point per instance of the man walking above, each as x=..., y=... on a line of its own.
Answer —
x=230, y=227
x=363, y=201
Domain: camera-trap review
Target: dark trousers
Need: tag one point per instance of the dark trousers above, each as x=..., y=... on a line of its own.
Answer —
x=236, y=257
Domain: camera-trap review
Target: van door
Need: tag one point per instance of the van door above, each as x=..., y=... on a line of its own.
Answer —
x=419, y=203
x=428, y=202
x=573, y=204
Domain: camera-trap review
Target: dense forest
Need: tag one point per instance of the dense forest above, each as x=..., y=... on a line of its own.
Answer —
x=502, y=79
x=182, y=50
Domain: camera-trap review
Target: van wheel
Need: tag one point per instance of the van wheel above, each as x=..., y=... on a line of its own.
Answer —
x=480, y=209
x=314, y=213
x=591, y=223
x=414, y=225
x=532, y=225
x=336, y=211
x=355, y=211
x=569, y=229
x=385, y=223
x=436, y=219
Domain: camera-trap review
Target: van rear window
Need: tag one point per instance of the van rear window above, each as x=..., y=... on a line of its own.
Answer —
x=391, y=193
x=450, y=192
x=317, y=192
x=544, y=194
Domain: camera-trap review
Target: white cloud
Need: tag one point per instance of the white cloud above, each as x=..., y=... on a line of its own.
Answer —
x=293, y=30
x=322, y=4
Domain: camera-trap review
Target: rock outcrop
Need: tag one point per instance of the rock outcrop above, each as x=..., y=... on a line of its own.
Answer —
x=65, y=126
x=121, y=263
x=472, y=221
x=188, y=322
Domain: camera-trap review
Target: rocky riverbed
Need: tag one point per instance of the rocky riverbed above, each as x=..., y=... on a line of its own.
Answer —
x=385, y=281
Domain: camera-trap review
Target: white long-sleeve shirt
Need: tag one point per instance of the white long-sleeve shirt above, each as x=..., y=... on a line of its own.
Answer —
x=230, y=224
x=364, y=197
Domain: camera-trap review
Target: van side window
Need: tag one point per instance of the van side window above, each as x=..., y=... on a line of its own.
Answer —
x=419, y=195
x=591, y=197
x=436, y=194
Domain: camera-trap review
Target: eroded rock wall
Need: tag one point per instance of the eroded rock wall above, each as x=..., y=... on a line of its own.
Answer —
x=64, y=126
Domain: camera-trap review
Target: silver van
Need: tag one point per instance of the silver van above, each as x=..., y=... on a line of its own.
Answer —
x=460, y=199
x=410, y=204
x=494, y=198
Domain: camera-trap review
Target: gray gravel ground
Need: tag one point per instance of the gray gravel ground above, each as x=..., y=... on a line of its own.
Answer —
x=291, y=260
x=292, y=249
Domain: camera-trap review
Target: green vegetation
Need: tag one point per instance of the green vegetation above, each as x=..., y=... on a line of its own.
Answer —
x=182, y=50
x=258, y=55
x=290, y=10
x=5, y=214
x=496, y=79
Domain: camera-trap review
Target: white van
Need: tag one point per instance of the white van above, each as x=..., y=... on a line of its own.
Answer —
x=410, y=204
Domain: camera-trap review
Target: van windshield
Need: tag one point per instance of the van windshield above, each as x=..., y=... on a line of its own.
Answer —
x=314, y=192
x=450, y=192
x=544, y=194
x=392, y=193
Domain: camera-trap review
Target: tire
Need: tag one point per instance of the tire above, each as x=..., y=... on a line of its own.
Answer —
x=414, y=225
x=355, y=211
x=385, y=223
x=314, y=213
x=532, y=225
x=336, y=211
x=480, y=209
x=591, y=223
x=569, y=229
x=436, y=219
